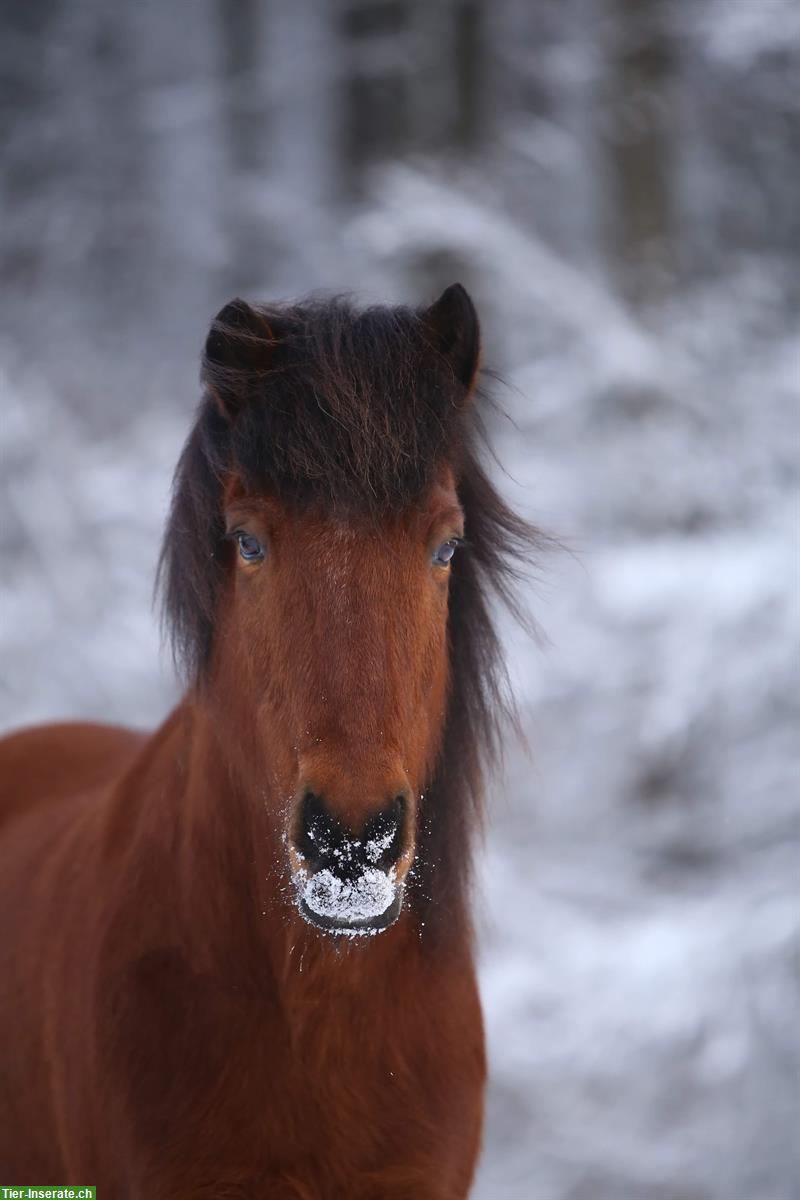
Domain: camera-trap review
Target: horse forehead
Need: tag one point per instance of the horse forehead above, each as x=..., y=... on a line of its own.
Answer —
x=354, y=561
x=343, y=545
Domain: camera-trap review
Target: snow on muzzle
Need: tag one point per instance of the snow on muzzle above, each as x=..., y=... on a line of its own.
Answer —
x=348, y=883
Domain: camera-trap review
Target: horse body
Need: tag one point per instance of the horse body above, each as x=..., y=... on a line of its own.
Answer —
x=195, y=1051
x=236, y=956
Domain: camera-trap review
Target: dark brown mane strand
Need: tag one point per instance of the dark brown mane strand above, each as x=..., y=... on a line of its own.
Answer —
x=501, y=546
x=352, y=412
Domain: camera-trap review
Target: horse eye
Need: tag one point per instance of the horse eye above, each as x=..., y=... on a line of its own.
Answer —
x=250, y=547
x=442, y=554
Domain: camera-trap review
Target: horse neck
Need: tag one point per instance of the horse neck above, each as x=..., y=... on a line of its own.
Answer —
x=185, y=841
x=231, y=857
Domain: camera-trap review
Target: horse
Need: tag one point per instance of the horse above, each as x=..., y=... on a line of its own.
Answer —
x=237, y=956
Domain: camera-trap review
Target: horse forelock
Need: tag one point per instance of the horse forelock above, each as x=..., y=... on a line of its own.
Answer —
x=350, y=410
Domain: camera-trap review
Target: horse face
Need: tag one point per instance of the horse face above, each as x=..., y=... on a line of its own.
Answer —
x=340, y=634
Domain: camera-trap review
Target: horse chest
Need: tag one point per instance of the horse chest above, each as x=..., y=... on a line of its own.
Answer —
x=225, y=1087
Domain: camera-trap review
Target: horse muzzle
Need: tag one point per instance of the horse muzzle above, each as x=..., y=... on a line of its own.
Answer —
x=346, y=882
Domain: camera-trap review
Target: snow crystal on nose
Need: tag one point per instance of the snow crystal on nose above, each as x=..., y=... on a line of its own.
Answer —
x=349, y=901
x=375, y=847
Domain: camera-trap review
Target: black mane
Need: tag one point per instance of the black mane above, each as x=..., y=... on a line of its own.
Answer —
x=352, y=411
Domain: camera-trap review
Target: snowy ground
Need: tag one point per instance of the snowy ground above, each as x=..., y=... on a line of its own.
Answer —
x=639, y=909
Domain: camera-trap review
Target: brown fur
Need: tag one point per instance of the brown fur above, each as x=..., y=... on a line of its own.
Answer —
x=172, y=1028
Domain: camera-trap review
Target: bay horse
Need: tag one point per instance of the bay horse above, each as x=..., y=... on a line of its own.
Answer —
x=236, y=957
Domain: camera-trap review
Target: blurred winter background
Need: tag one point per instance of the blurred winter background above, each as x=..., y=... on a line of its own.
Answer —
x=618, y=183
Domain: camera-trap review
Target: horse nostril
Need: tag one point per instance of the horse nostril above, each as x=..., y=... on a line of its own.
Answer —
x=384, y=835
x=324, y=843
x=316, y=833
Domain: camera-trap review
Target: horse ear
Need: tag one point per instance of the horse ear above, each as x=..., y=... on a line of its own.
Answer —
x=453, y=328
x=239, y=342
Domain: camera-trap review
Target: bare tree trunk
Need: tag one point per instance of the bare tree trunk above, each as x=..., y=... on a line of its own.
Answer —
x=640, y=150
x=469, y=65
x=246, y=129
x=376, y=98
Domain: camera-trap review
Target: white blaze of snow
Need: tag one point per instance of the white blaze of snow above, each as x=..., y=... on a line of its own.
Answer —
x=349, y=900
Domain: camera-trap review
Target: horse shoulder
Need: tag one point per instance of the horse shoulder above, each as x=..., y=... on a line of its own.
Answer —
x=52, y=762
